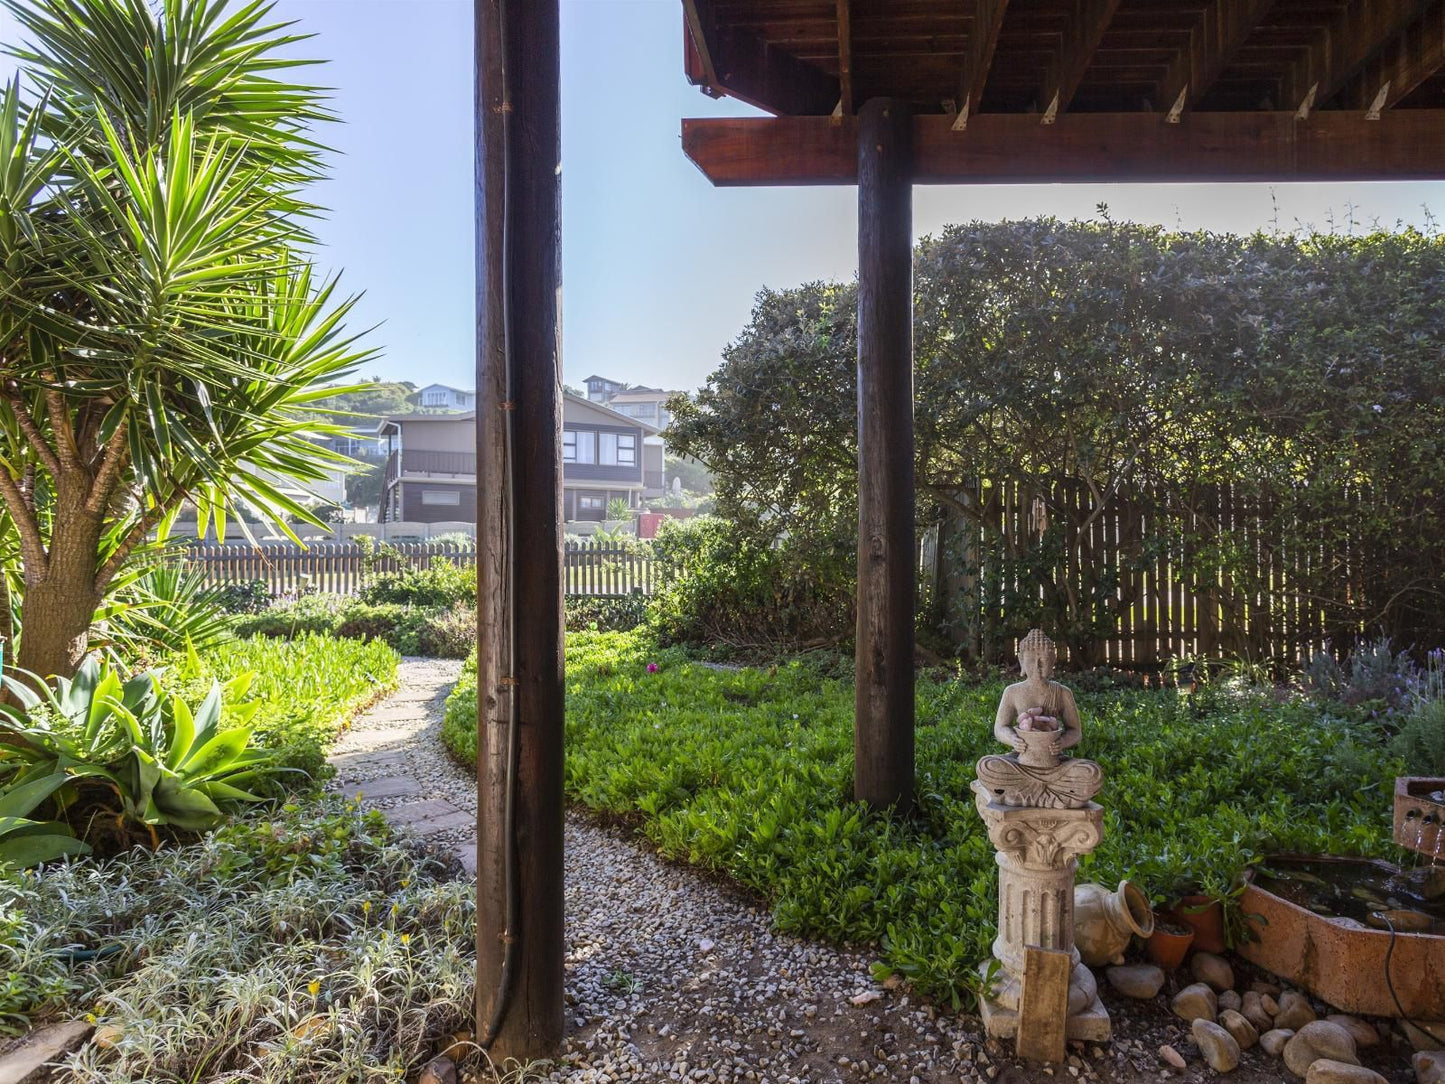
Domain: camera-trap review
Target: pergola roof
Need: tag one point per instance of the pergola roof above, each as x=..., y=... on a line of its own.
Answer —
x=1077, y=89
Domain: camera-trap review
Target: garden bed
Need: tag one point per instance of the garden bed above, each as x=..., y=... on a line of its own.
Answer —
x=749, y=772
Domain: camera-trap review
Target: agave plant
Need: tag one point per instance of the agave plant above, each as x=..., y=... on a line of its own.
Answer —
x=114, y=756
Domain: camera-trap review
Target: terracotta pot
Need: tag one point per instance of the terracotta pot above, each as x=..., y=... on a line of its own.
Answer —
x=1104, y=921
x=1206, y=916
x=1167, y=948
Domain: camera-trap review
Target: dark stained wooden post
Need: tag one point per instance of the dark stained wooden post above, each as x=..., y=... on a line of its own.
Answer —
x=883, y=724
x=519, y=530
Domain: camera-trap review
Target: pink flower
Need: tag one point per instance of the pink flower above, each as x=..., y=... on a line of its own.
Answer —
x=653, y=668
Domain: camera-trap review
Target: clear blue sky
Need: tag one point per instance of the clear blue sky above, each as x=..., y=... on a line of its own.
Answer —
x=659, y=268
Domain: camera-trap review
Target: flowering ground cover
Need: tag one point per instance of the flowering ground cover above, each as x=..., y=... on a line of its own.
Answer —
x=748, y=772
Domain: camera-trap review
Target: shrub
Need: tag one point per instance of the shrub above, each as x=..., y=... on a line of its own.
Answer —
x=448, y=634
x=310, y=944
x=440, y=586
x=749, y=772
x=305, y=689
x=1374, y=678
x=249, y=597
x=161, y=610
x=720, y=585
x=459, y=723
x=307, y=614
x=617, y=613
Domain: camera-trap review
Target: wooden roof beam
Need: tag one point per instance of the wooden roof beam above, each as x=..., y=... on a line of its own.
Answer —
x=1216, y=37
x=1008, y=148
x=982, y=41
x=1066, y=72
x=1342, y=49
x=845, y=58
x=1404, y=64
x=746, y=68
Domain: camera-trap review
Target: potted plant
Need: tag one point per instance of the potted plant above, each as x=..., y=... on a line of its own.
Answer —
x=1170, y=941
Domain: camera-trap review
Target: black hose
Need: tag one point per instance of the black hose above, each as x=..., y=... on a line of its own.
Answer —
x=1390, y=982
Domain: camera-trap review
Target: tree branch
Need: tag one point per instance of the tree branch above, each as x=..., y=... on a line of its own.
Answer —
x=32, y=544
x=34, y=435
x=68, y=451
x=113, y=461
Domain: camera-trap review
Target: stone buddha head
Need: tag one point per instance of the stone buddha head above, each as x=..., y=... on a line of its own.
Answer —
x=1037, y=655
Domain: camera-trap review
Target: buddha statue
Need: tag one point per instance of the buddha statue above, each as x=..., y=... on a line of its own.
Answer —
x=1038, y=719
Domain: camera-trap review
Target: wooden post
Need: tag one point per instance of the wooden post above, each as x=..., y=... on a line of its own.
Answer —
x=519, y=531
x=883, y=724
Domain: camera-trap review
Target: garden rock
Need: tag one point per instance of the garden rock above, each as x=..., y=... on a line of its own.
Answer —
x=1196, y=1002
x=1215, y=970
x=1364, y=1034
x=1172, y=1056
x=1326, y=1071
x=1243, y=1031
x=1216, y=1045
x=1252, y=1009
x=1273, y=1042
x=44, y=1045
x=440, y=1070
x=1141, y=981
x=1294, y=1011
x=1318, y=1039
x=1230, y=1000
x=1430, y=1067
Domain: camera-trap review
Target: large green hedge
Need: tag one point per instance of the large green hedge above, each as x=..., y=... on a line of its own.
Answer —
x=1117, y=359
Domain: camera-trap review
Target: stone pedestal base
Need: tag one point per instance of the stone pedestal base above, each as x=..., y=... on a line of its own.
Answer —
x=1090, y=1026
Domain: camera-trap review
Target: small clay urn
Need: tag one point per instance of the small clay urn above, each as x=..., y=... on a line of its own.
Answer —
x=1104, y=921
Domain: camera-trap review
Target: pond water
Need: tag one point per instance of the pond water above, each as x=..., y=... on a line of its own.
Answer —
x=1412, y=901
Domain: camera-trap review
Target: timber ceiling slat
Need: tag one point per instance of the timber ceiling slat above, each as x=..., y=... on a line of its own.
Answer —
x=1218, y=34
x=1342, y=47
x=1402, y=66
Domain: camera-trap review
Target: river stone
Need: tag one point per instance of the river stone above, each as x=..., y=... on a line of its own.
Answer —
x=1326, y=1071
x=1230, y=999
x=1195, y=1002
x=1364, y=1034
x=1318, y=1039
x=1216, y=1045
x=1252, y=1009
x=1430, y=1067
x=1273, y=1042
x=1141, y=981
x=1172, y=1056
x=1243, y=1031
x=1294, y=1011
x=1215, y=970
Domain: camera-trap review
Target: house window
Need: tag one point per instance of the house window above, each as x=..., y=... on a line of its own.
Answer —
x=441, y=496
x=591, y=504
x=626, y=450
x=579, y=447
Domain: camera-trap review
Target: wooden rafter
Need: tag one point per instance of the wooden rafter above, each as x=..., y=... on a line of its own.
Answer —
x=1341, y=49
x=1216, y=37
x=1407, y=62
x=1005, y=148
x=747, y=68
x=982, y=41
x=845, y=58
x=1066, y=71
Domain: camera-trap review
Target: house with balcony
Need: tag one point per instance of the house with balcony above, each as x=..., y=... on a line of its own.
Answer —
x=647, y=405
x=446, y=397
x=431, y=467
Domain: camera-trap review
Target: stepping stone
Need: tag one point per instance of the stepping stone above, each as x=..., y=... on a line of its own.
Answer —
x=348, y=764
x=27, y=1062
x=392, y=786
x=467, y=855
x=426, y=809
x=449, y=823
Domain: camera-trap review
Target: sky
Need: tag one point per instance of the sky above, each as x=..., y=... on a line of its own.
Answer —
x=659, y=268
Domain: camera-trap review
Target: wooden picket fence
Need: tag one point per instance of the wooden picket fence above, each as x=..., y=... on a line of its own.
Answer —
x=1148, y=577
x=590, y=568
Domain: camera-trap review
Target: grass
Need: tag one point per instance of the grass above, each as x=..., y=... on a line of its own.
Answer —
x=749, y=772
x=309, y=688
x=307, y=944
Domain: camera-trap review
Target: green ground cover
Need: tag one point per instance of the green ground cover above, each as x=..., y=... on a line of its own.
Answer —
x=308, y=688
x=749, y=772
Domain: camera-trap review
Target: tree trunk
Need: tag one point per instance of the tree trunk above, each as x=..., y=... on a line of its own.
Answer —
x=60, y=600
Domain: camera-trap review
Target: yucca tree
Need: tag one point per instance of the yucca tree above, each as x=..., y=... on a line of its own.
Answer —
x=162, y=335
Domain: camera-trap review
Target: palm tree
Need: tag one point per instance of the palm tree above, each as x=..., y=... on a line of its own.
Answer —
x=162, y=337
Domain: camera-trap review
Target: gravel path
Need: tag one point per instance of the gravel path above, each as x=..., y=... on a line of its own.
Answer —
x=674, y=976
